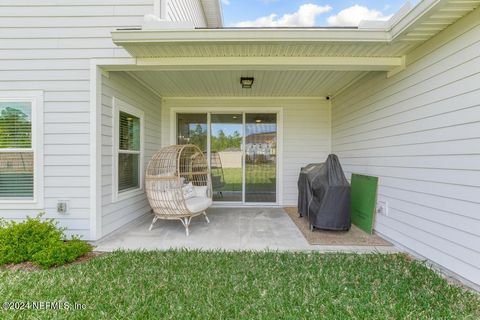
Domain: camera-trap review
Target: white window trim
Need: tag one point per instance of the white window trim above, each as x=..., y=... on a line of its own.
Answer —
x=36, y=100
x=122, y=106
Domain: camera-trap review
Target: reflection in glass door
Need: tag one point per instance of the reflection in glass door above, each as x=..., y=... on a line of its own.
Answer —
x=243, y=152
x=226, y=157
x=192, y=129
x=260, y=157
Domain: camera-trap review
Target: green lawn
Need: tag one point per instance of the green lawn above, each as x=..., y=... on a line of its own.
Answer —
x=241, y=285
x=259, y=177
x=233, y=179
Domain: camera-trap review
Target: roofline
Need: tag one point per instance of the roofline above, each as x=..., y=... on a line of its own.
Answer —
x=251, y=35
x=366, y=32
x=395, y=29
x=413, y=15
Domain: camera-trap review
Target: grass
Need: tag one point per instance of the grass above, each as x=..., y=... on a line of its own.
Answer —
x=259, y=177
x=233, y=179
x=241, y=285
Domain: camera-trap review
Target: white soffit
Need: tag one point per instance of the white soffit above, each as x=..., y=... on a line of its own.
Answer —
x=226, y=83
x=258, y=43
x=213, y=13
x=430, y=17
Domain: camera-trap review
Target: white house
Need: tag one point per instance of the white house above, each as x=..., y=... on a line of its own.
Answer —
x=89, y=89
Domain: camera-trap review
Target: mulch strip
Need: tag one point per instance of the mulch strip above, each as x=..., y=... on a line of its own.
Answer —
x=353, y=237
x=28, y=266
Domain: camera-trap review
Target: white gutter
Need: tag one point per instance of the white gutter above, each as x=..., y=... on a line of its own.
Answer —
x=249, y=35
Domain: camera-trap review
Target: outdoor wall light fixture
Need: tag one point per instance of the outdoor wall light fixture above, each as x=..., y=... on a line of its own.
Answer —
x=247, y=82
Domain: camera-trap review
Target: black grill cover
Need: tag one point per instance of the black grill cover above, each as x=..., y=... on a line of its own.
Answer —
x=324, y=195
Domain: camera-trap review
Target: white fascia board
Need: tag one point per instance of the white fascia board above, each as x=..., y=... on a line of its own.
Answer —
x=249, y=35
x=272, y=63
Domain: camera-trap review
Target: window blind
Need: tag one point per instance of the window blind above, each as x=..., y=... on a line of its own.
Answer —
x=129, y=132
x=128, y=171
x=129, y=152
x=16, y=153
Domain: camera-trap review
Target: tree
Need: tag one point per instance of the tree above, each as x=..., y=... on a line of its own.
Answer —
x=198, y=137
x=15, y=129
x=222, y=142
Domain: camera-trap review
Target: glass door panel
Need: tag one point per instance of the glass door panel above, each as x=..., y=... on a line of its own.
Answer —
x=239, y=174
x=226, y=156
x=192, y=129
x=260, y=157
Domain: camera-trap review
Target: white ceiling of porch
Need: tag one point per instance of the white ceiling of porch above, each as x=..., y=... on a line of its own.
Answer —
x=227, y=83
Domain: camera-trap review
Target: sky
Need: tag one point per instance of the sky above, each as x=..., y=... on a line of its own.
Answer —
x=306, y=13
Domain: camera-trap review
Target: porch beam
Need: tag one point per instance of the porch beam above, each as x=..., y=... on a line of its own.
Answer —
x=271, y=63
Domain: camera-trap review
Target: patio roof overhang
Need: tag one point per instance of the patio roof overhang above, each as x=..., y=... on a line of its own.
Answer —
x=284, y=62
x=387, y=39
x=336, y=57
x=262, y=49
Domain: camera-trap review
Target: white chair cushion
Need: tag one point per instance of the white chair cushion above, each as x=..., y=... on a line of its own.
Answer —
x=200, y=191
x=198, y=204
x=188, y=191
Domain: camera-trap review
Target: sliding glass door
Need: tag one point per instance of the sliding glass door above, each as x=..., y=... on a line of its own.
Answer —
x=242, y=151
x=226, y=156
x=260, y=157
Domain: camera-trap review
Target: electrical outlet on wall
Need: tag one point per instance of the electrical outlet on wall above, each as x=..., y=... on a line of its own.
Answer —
x=63, y=206
x=382, y=207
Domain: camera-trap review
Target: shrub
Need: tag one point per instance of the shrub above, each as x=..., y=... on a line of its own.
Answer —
x=40, y=242
x=60, y=253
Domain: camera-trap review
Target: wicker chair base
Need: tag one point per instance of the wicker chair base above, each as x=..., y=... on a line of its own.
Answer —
x=184, y=219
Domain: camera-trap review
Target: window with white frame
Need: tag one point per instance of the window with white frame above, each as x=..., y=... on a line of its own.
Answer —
x=20, y=160
x=128, y=153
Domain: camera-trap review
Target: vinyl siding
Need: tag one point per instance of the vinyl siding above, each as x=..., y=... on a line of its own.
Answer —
x=121, y=86
x=420, y=133
x=47, y=45
x=306, y=130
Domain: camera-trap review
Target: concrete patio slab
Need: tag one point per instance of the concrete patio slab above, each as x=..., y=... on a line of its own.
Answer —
x=229, y=229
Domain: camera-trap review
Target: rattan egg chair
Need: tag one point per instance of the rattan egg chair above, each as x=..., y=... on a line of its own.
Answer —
x=178, y=184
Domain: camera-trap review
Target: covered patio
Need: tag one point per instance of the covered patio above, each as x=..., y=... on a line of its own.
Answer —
x=368, y=94
x=186, y=86
x=230, y=229
x=394, y=101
